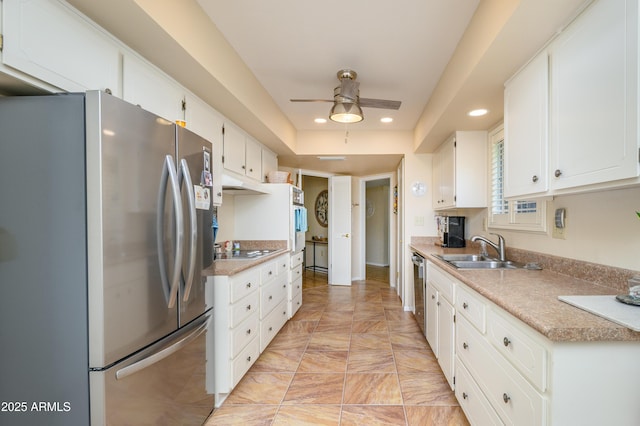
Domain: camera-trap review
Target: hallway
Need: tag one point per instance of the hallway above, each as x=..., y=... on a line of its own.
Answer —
x=350, y=356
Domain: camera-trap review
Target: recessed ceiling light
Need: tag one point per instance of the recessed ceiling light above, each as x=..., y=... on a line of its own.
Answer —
x=320, y=120
x=477, y=112
x=386, y=119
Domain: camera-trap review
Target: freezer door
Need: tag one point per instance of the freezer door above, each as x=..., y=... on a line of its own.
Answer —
x=128, y=152
x=194, y=161
x=164, y=384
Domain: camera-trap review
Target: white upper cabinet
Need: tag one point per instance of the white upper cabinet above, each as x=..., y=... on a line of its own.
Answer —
x=269, y=163
x=571, y=115
x=460, y=171
x=234, y=149
x=206, y=122
x=594, y=96
x=148, y=87
x=52, y=42
x=526, y=130
x=253, y=160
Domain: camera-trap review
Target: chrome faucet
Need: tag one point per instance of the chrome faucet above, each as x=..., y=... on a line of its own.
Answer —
x=498, y=247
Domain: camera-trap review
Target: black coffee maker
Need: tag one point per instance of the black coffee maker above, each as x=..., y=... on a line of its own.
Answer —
x=451, y=230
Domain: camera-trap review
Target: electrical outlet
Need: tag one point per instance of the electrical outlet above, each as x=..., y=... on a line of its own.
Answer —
x=559, y=233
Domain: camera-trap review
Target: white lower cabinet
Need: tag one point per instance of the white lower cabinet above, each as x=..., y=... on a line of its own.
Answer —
x=249, y=308
x=294, y=295
x=475, y=405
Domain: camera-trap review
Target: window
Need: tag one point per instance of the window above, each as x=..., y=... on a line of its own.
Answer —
x=518, y=215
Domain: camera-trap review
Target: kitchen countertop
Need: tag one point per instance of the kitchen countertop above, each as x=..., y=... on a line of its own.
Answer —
x=532, y=297
x=233, y=266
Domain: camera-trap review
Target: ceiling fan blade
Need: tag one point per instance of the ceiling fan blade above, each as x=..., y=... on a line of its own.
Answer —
x=311, y=100
x=379, y=103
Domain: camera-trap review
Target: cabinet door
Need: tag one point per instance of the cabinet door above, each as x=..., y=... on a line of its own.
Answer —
x=431, y=305
x=444, y=163
x=446, y=333
x=150, y=88
x=52, y=42
x=253, y=153
x=594, y=96
x=525, y=130
x=234, y=149
x=269, y=163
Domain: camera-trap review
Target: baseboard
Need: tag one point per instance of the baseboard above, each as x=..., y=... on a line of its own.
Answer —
x=383, y=265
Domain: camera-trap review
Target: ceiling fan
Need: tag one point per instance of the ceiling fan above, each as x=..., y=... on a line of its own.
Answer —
x=347, y=102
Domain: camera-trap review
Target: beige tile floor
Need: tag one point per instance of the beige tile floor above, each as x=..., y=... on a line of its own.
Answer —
x=350, y=356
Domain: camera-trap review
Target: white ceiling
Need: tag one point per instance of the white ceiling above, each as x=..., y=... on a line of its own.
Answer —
x=399, y=50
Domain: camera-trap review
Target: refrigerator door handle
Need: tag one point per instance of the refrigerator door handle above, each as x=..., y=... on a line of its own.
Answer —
x=169, y=174
x=159, y=356
x=193, y=221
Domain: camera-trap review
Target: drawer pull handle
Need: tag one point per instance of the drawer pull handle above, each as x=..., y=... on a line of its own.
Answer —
x=465, y=346
x=248, y=307
x=506, y=341
x=464, y=395
x=506, y=398
x=464, y=305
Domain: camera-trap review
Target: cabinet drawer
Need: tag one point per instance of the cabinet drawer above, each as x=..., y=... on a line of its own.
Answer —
x=515, y=400
x=241, y=310
x=524, y=352
x=283, y=264
x=473, y=402
x=442, y=281
x=243, y=334
x=296, y=259
x=268, y=272
x=243, y=284
x=271, y=295
x=270, y=326
x=241, y=364
x=295, y=304
x=295, y=288
x=296, y=273
x=472, y=307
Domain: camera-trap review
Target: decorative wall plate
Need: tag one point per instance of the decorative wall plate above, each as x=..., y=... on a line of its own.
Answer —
x=321, y=208
x=418, y=189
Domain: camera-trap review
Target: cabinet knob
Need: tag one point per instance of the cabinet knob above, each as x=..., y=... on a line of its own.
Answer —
x=270, y=328
x=248, y=307
x=251, y=170
x=438, y=303
x=506, y=341
x=248, y=285
x=249, y=331
x=249, y=359
x=219, y=194
x=534, y=179
x=557, y=173
x=506, y=398
x=270, y=297
x=433, y=296
x=270, y=272
x=465, y=305
x=465, y=346
x=243, y=167
x=464, y=395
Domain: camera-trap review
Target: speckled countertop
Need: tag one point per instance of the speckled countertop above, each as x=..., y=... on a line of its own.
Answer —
x=233, y=266
x=532, y=297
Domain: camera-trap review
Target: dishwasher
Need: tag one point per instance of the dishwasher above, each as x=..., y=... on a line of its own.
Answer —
x=419, y=282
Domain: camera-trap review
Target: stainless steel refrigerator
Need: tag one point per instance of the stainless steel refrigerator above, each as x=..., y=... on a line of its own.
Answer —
x=105, y=228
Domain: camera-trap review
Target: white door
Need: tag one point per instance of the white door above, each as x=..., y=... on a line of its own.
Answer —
x=340, y=230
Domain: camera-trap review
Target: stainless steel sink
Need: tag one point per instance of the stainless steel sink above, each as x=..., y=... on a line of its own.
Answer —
x=474, y=261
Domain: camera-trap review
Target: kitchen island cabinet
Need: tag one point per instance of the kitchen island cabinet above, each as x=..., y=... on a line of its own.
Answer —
x=522, y=357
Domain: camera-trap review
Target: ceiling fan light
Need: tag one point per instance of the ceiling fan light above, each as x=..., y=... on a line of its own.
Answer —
x=346, y=112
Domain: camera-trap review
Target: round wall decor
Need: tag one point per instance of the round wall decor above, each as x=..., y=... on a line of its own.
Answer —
x=321, y=208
